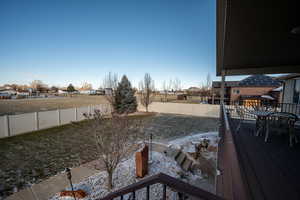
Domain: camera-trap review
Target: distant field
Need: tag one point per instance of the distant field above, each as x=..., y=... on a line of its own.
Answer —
x=19, y=106
x=173, y=98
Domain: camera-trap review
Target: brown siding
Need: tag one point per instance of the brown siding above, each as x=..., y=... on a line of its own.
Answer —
x=249, y=91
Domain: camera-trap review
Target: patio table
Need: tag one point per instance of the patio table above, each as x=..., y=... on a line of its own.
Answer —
x=261, y=118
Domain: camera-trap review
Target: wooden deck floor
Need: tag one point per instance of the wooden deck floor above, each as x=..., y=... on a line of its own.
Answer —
x=272, y=169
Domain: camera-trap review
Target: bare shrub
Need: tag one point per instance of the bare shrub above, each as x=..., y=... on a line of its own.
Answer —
x=147, y=91
x=116, y=137
x=110, y=82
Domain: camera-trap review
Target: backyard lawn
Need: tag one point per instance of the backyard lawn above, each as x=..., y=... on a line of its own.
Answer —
x=32, y=157
x=19, y=106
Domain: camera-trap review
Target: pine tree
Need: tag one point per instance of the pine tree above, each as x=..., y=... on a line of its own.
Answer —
x=125, y=101
x=70, y=88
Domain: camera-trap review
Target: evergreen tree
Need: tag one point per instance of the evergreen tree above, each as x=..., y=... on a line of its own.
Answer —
x=70, y=88
x=125, y=101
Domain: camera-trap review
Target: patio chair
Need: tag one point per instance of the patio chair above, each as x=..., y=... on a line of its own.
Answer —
x=281, y=123
x=241, y=115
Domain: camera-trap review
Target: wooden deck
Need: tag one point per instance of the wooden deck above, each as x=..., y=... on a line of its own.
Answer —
x=271, y=170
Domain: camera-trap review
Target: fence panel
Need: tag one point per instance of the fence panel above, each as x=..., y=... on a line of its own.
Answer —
x=22, y=123
x=3, y=127
x=81, y=111
x=67, y=115
x=205, y=110
x=48, y=119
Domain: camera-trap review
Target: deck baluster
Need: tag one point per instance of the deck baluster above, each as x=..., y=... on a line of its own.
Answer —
x=148, y=192
x=164, y=192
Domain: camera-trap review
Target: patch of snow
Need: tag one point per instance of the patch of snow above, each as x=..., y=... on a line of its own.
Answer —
x=124, y=175
x=188, y=143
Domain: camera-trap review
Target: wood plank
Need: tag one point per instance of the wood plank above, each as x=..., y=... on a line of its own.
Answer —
x=271, y=169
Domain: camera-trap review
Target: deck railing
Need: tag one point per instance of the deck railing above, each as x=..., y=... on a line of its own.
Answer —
x=248, y=106
x=230, y=182
x=183, y=189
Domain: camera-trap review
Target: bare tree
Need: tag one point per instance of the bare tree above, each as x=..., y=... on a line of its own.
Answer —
x=110, y=82
x=116, y=139
x=177, y=85
x=166, y=89
x=86, y=86
x=38, y=85
x=171, y=85
x=208, y=82
x=147, y=89
x=205, y=88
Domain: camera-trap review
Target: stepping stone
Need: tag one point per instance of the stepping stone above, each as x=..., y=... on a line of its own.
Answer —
x=187, y=164
x=181, y=158
x=173, y=153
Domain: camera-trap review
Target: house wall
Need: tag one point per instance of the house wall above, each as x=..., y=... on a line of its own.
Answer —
x=248, y=91
x=288, y=92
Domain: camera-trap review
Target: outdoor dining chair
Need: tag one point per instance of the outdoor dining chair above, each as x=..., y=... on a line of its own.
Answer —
x=281, y=123
x=241, y=116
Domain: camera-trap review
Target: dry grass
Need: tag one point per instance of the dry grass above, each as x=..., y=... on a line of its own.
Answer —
x=19, y=106
x=33, y=157
x=173, y=99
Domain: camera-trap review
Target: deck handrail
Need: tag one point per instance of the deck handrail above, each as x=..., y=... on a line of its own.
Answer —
x=165, y=180
x=230, y=181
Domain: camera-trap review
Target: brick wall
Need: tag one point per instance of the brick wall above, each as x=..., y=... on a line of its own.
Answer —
x=248, y=91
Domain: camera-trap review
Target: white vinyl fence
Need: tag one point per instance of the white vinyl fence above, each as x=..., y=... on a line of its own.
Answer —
x=201, y=110
x=11, y=125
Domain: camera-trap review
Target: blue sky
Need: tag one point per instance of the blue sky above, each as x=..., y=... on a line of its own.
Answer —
x=76, y=41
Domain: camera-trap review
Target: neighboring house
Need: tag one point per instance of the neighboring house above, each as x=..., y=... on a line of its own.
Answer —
x=108, y=91
x=87, y=92
x=253, y=87
x=216, y=90
x=62, y=92
x=8, y=91
x=192, y=91
x=291, y=88
x=23, y=93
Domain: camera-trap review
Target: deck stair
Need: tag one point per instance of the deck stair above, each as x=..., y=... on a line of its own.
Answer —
x=182, y=158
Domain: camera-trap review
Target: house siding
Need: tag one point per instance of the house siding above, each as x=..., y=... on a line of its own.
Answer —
x=248, y=91
x=288, y=91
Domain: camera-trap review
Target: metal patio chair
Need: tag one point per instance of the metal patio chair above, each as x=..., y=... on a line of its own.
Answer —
x=241, y=116
x=282, y=123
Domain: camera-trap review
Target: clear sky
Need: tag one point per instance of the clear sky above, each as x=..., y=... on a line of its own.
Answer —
x=73, y=41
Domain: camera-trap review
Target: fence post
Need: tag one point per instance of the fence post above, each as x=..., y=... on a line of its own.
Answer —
x=58, y=115
x=36, y=116
x=7, y=125
x=90, y=109
x=75, y=114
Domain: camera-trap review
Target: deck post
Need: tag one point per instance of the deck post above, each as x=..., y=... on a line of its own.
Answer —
x=36, y=116
x=58, y=117
x=75, y=109
x=7, y=125
x=222, y=87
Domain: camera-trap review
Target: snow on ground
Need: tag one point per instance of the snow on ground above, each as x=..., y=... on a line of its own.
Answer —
x=187, y=143
x=95, y=186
